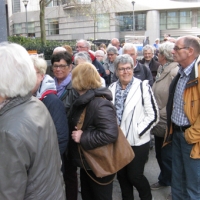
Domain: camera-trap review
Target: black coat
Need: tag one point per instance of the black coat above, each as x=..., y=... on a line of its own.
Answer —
x=100, y=124
x=153, y=66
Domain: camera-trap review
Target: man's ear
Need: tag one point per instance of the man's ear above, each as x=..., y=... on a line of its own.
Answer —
x=191, y=51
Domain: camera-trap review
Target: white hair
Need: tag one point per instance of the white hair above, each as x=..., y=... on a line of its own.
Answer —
x=99, y=52
x=85, y=42
x=40, y=64
x=148, y=47
x=129, y=46
x=59, y=49
x=18, y=76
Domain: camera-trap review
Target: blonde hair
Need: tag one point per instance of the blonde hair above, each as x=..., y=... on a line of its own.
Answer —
x=85, y=77
x=68, y=49
x=40, y=64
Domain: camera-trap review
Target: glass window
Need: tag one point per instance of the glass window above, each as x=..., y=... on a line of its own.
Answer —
x=126, y=21
x=17, y=29
x=172, y=20
x=53, y=3
x=163, y=21
x=31, y=27
x=198, y=19
x=53, y=27
x=176, y=19
x=185, y=19
x=103, y=22
x=16, y=6
x=140, y=22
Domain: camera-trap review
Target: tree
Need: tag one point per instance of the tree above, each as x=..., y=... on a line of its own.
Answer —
x=94, y=9
x=89, y=8
x=43, y=4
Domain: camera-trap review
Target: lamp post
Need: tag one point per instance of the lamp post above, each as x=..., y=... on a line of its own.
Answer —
x=25, y=5
x=133, y=2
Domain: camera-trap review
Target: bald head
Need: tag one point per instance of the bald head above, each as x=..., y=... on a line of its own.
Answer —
x=115, y=42
x=192, y=41
x=59, y=49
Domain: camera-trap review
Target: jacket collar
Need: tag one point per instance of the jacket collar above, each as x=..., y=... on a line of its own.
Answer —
x=15, y=102
x=193, y=80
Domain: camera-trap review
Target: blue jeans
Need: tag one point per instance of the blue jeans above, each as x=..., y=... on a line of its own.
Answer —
x=185, y=170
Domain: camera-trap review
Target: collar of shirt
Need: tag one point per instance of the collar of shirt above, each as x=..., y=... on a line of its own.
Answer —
x=186, y=71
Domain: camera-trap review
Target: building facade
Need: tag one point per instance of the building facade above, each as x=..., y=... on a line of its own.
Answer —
x=65, y=20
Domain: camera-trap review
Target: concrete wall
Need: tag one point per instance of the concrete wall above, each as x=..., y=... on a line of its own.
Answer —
x=3, y=23
x=153, y=25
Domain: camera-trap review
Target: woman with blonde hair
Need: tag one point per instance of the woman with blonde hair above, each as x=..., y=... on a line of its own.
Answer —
x=99, y=128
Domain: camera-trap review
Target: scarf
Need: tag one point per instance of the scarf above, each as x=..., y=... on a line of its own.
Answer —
x=63, y=84
x=120, y=98
x=161, y=69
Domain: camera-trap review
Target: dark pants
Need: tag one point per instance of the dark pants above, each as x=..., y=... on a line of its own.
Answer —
x=133, y=175
x=71, y=181
x=164, y=158
x=91, y=190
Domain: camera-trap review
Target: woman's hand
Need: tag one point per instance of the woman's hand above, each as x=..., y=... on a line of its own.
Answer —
x=76, y=135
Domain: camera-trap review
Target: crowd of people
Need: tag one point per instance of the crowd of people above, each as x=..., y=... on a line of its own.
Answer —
x=40, y=107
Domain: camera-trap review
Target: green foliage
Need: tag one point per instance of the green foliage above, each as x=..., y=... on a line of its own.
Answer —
x=35, y=44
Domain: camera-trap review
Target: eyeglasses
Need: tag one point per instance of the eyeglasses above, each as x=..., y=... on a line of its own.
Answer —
x=59, y=66
x=79, y=47
x=122, y=70
x=110, y=54
x=179, y=48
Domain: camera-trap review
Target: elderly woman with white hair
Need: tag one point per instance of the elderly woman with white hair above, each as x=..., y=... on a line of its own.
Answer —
x=166, y=72
x=137, y=113
x=30, y=160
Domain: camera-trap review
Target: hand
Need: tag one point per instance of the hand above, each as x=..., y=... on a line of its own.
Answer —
x=76, y=135
x=107, y=72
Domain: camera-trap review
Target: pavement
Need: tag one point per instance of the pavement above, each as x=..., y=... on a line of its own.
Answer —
x=151, y=172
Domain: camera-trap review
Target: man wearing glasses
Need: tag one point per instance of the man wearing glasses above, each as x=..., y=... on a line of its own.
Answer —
x=183, y=120
x=83, y=45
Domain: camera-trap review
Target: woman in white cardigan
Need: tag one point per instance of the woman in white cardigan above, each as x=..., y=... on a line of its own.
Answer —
x=137, y=113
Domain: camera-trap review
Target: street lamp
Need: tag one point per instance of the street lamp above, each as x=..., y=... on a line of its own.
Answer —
x=25, y=5
x=133, y=2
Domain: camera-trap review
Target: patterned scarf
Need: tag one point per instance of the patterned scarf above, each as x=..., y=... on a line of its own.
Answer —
x=120, y=98
x=61, y=88
x=161, y=69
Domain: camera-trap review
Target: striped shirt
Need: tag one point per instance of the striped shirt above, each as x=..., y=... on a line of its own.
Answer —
x=178, y=115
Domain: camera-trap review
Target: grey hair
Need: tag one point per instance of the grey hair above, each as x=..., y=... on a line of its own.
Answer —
x=18, y=76
x=82, y=55
x=86, y=43
x=59, y=49
x=112, y=49
x=40, y=64
x=99, y=52
x=165, y=49
x=129, y=46
x=192, y=41
x=148, y=47
x=123, y=59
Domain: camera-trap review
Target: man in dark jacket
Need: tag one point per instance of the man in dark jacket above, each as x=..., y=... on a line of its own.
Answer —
x=83, y=45
x=149, y=61
x=140, y=71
